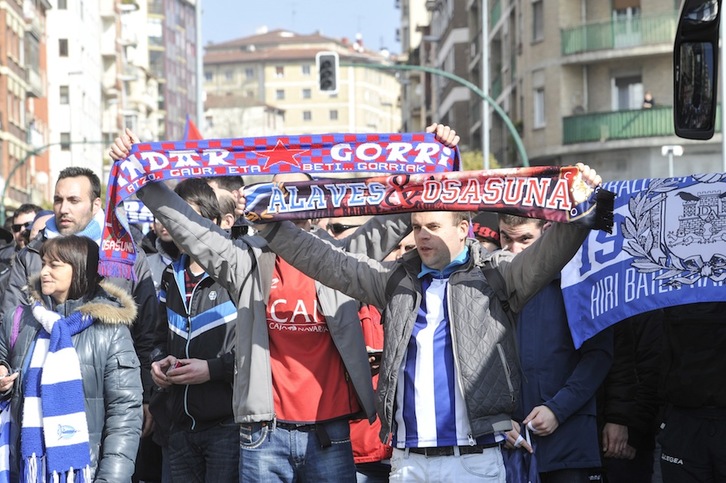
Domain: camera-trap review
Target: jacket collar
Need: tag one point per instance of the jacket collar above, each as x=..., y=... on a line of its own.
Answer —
x=457, y=262
x=109, y=305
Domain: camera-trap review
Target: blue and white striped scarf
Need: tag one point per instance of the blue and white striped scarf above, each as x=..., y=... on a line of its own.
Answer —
x=5, y=441
x=54, y=433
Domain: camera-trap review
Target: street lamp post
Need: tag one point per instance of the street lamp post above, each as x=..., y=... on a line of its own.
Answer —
x=671, y=150
x=475, y=89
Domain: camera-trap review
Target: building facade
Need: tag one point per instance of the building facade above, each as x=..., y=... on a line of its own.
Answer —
x=278, y=69
x=74, y=94
x=572, y=76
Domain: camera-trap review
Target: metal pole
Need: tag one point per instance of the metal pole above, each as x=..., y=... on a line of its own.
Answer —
x=465, y=83
x=722, y=34
x=670, y=163
x=200, y=68
x=485, y=80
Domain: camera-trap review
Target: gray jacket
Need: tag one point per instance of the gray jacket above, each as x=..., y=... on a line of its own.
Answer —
x=244, y=267
x=483, y=338
x=111, y=379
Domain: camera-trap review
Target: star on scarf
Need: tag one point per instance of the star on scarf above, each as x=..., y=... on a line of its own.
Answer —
x=281, y=154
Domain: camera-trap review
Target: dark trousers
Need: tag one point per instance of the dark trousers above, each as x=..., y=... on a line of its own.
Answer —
x=693, y=448
x=211, y=455
x=637, y=470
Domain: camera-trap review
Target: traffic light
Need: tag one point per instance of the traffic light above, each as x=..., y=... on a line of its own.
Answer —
x=327, y=63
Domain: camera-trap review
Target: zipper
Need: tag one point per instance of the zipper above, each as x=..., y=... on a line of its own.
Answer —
x=507, y=370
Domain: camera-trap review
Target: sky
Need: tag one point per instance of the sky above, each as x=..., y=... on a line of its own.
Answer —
x=376, y=20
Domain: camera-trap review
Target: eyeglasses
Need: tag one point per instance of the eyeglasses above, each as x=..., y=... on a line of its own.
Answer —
x=19, y=228
x=338, y=228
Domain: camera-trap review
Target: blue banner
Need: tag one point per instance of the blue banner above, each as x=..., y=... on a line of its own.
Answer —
x=667, y=247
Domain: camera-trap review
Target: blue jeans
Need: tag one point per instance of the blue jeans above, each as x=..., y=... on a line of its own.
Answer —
x=275, y=454
x=210, y=455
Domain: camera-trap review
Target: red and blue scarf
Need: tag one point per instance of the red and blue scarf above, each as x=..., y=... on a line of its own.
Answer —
x=320, y=154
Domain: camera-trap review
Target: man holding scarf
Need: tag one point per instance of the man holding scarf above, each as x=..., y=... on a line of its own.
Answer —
x=302, y=368
x=449, y=377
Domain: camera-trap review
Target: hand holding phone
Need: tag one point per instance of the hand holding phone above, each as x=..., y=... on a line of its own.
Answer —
x=178, y=363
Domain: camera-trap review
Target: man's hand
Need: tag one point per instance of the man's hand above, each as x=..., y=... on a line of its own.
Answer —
x=543, y=421
x=148, y=422
x=191, y=371
x=583, y=185
x=159, y=369
x=515, y=439
x=615, y=442
x=444, y=134
x=121, y=146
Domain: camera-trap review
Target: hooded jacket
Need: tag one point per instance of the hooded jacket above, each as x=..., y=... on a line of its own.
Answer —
x=245, y=267
x=110, y=374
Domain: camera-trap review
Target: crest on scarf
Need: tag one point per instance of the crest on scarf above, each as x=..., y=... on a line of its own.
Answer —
x=679, y=229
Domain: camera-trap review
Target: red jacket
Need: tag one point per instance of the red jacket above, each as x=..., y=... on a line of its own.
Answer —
x=367, y=446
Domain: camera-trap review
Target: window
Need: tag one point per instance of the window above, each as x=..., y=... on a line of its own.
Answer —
x=65, y=139
x=249, y=73
x=539, y=108
x=537, y=20
x=307, y=116
x=306, y=69
x=208, y=76
x=279, y=71
x=228, y=75
x=280, y=94
x=627, y=92
x=306, y=93
x=63, y=47
x=64, y=96
x=62, y=5
x=333, y=114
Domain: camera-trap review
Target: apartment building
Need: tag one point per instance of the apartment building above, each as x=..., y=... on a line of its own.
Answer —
x=572, y=76
x=277, y=69
x=415, y=21
x=446, y=47
x=23, y=106
x=173, y=40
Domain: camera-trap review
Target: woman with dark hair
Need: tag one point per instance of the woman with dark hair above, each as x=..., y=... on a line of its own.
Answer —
x=69, y=369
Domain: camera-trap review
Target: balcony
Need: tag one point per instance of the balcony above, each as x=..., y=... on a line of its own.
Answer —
x=621, y=125
x=495, y=13
x=496, y=87
x=627, y=33
x=36, y=84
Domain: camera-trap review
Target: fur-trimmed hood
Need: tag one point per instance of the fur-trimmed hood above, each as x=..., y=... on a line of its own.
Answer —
x=109, y=305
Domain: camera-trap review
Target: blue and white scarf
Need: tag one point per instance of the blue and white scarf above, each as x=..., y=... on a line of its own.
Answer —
x=93, y=230
x=5, y=441
x=54, y=433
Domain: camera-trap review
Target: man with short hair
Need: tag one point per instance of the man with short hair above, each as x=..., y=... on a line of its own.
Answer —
x=448, y=381
x=559, y=382
x=22, y=221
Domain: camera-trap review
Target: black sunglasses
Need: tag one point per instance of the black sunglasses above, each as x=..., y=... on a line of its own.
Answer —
x=24, y=226
x=338, y=228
